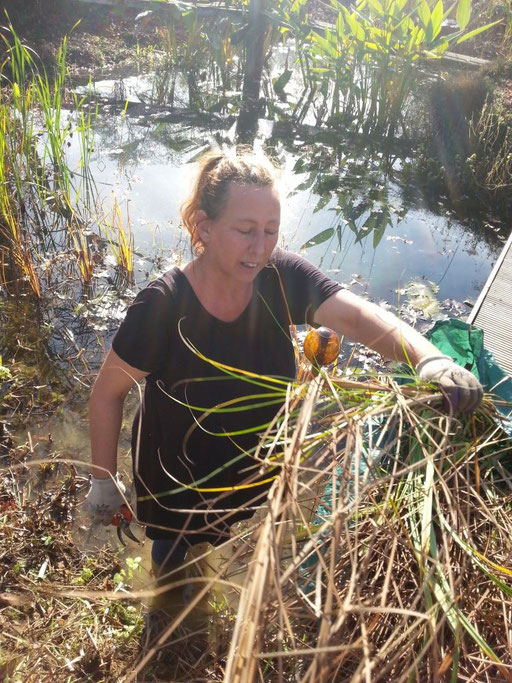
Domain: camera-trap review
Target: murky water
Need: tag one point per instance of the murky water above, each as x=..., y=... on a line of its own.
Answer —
x=148, y=169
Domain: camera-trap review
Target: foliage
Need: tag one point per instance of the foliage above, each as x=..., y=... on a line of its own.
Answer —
x=40, y=195
x=204, y=52
x=492, y=159
x=465, y=153
x=357, y=185
x=360, y=72
x=48, y=204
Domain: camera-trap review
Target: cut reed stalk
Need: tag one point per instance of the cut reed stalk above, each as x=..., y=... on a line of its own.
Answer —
x=381, y=584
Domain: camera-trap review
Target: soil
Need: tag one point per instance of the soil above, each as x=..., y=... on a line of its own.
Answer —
x=101, y=40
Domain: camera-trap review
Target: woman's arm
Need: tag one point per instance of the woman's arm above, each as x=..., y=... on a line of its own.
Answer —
x=362, y=321
x=113, y=383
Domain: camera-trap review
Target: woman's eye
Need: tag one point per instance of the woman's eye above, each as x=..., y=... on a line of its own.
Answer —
x=271, y=232
x=243, y=231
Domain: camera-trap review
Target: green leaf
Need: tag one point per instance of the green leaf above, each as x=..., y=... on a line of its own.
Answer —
x=437, y=18
x=383, y=220
x=318, y=239
x=340, y=26
x=356, y=28
x=476, y=31
x=367, y=227
x=376, y=5
x=463, y=13
x=429, y=32
x=282, y=81
x=322, y=202
x=424, y=14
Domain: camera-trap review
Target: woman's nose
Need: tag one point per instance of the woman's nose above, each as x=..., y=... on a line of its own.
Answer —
x=258, y=243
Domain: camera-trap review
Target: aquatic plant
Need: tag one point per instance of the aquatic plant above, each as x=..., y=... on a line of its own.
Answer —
x=43, y=200
x=120, y=239
x=201, y=50
x=359, y=71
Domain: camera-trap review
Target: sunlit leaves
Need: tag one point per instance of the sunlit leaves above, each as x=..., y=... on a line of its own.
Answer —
x=463, y=13
x=424, y=13
x=365, y=65
x=437, y=18
x=476, y=31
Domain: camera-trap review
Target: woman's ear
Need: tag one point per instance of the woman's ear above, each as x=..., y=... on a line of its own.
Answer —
x=203, y=225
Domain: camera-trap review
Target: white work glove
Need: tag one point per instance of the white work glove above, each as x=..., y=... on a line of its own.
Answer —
x=105, y=497
x=460, y=386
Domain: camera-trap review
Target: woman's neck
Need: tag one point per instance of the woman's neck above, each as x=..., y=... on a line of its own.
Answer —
x=219, y=294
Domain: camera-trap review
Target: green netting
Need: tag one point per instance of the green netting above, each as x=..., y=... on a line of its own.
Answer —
x=465, y=344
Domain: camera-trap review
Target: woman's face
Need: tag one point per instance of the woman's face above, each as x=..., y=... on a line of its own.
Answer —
x=242, y=238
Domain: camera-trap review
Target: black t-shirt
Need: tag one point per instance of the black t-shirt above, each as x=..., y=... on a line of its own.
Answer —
x=193, y=470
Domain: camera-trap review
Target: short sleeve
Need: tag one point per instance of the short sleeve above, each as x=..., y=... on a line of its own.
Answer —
x=143, y=339
x=305, y=286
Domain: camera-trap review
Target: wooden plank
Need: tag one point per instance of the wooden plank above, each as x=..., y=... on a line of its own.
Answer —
x=505, y=253
x=493, y=310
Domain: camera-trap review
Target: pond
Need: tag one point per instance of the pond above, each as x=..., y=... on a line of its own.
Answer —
x=374, y=230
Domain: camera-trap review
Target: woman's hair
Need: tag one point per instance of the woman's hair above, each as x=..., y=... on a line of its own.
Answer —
x=217, y=170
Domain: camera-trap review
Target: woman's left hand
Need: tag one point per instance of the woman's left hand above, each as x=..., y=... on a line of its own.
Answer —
x=461, y=387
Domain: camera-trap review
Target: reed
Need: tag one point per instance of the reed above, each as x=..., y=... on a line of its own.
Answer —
x=120, y=238
x=43, y=199
x=382, y=551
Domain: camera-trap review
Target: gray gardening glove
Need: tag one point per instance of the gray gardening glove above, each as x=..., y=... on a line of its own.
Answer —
x=105, y=497
x=461, y=387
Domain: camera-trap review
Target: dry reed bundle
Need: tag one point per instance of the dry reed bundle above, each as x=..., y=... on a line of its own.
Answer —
x=386, y=553
x=383, y=552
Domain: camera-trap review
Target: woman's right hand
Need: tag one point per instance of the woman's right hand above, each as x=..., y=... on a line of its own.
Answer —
x=105, y=497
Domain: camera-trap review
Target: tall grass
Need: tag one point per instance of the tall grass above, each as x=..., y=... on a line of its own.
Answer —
x=43, y=200
x=120, y=238
x=403, y=572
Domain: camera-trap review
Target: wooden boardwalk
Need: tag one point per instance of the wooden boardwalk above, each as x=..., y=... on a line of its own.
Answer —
x=493, y=310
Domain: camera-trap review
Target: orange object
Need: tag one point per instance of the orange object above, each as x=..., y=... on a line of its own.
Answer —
x=321, y=346
x=122, y=520
x=124, y=515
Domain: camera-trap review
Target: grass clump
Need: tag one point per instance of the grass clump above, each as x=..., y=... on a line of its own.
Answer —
x=404, y=570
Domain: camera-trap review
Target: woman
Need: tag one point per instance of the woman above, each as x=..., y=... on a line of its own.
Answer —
x=233, y=304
